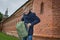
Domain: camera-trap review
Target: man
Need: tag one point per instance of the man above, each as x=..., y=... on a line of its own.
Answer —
x=30, y=19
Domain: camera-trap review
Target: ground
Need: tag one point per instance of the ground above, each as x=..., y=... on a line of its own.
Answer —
x=7, y=37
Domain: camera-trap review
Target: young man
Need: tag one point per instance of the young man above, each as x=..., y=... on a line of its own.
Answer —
x=30, y=20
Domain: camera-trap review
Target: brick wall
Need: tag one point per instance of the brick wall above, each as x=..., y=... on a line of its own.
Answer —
x=56, y=17
x=1, y=27
x=49, y=27
x=45, y=26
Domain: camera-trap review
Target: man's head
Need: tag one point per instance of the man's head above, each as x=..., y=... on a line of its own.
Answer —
x=26, y=11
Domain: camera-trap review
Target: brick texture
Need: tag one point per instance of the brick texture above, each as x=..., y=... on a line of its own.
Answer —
x=45, y=26
x=56, y=17
x=49, y=27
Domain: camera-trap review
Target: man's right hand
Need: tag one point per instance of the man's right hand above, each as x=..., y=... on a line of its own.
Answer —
x=28, y=25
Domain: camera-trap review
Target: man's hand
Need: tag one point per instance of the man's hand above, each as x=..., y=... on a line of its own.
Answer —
x=28, y=25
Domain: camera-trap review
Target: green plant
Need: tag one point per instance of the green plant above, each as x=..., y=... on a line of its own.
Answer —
x=1, y=16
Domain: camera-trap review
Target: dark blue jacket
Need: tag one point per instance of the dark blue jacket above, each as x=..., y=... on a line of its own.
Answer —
x=30, y=18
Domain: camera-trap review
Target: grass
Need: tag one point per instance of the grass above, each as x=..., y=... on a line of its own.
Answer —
x=7, y=37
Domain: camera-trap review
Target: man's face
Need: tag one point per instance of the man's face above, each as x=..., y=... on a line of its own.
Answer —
x=26, y=11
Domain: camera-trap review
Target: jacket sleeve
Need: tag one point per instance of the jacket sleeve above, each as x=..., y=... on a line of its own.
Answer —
x=36, y=19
